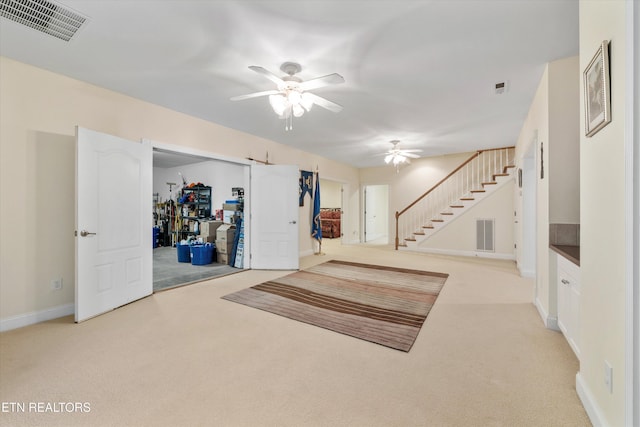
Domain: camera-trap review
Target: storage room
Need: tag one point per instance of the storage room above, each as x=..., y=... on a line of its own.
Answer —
x=198, y=212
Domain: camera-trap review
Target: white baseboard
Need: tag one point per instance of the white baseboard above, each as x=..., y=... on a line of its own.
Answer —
x=528, y=274
x=455, y=252
x=588, y=401
x=306, y=253
x=550, y=322
x=36, y=317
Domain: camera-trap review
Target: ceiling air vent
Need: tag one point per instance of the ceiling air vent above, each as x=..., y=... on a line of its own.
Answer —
x=502, y=87
x=42, y=15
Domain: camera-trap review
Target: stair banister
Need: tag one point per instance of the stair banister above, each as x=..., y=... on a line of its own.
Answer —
x=470, y=159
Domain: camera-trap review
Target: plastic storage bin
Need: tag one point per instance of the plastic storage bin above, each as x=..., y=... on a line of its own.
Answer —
x=184, y=254
x=202, y=254
x=156, y=233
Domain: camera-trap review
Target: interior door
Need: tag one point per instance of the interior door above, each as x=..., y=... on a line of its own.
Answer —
x=274, y=217
x=376, y=213
x=113, y=223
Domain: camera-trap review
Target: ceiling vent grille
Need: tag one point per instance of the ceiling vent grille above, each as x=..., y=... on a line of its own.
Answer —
x=502, y=87
x=45, y=16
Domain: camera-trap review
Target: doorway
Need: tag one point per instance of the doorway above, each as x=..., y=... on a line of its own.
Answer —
x=376, y=214
x=114, y=251
x=331, y=209
x=172, y=172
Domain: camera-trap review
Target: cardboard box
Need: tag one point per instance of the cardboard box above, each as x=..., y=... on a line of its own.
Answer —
x=224, y=247
x=209, y=228
x=209, y=239
x=231, y=217
x=226, y=232
x=223, y=258
x=231, y=206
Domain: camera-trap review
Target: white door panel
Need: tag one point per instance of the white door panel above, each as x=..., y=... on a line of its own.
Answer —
x=274, y=217
x=113, y=222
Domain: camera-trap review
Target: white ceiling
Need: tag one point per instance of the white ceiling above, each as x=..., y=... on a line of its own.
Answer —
x=422, y=72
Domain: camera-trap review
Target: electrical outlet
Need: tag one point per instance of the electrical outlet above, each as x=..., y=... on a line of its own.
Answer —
x=56, y=284
x=608, y=376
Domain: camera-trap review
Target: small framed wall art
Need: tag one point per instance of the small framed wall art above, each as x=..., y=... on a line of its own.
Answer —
x=597, y=96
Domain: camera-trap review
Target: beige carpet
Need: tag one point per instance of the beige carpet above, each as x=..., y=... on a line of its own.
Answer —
x=186, y=357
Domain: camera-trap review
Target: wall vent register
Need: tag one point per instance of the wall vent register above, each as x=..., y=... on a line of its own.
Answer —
x=485, y=237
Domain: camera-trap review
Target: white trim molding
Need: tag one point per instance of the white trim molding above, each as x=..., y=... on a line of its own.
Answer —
x=632, y=213
x=454, y=252
x=34, y=317
x=550, y=322
x=589, y=402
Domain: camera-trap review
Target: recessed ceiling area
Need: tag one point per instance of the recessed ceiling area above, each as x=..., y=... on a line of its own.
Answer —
x=423, y=72
x=170, y=159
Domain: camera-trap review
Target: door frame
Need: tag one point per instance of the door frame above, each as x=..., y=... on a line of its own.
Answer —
x=632, y=213
x=213, y=156
x=527, y=249
x=344, y=191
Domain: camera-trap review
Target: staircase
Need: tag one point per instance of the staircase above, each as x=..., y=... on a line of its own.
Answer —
x=480, y=175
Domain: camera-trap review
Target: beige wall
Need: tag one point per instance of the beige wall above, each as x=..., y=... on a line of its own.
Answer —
x=330, y=194
x=564, y=134
x=461, y=236
x=602, y=208
x=38, y=114
x=552, y=126
x=412, y=180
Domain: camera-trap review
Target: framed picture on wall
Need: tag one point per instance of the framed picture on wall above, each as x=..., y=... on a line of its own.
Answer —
x=597, y=96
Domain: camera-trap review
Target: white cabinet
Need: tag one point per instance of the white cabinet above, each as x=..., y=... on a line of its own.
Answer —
x=569, y=302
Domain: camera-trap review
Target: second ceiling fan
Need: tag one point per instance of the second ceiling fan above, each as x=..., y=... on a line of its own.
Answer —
x=398, y=156
x=292, y=97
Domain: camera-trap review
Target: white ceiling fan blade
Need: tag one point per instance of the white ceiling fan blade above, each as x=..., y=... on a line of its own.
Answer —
x=255, y=95
x=324, y=103
x=413, y=156
x=412, y=151
x=268, y=74
x=330, y=79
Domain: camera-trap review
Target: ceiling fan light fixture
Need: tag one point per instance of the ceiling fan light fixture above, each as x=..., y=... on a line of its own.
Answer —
x=398, y=158
x=278, y=103
x=294, y=97
x=298, y=111
x=306, y=101
x=291, y=98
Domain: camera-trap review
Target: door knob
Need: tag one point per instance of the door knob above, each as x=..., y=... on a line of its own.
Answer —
x=85, y=233
x=292, y=222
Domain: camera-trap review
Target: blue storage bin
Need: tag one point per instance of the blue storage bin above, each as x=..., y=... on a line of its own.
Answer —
x=156, y=232
x=202, y=254
x=184, y=254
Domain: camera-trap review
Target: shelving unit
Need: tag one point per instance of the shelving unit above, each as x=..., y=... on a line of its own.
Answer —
x=199, y=202
x=194, y=205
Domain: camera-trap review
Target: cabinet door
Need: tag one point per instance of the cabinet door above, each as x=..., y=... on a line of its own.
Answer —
x=574, y=315
x=569, y=302
x=562, y=303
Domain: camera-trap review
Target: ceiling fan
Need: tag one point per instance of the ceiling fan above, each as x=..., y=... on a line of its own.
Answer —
x=398, y=156
x=292, y=97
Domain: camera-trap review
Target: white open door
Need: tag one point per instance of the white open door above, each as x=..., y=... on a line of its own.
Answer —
x=113, y=223
x=274, y=217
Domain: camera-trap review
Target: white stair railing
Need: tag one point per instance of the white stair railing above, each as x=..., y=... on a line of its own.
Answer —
x=429, y=210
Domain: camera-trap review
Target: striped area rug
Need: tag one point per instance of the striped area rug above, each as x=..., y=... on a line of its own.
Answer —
x=384, y=305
